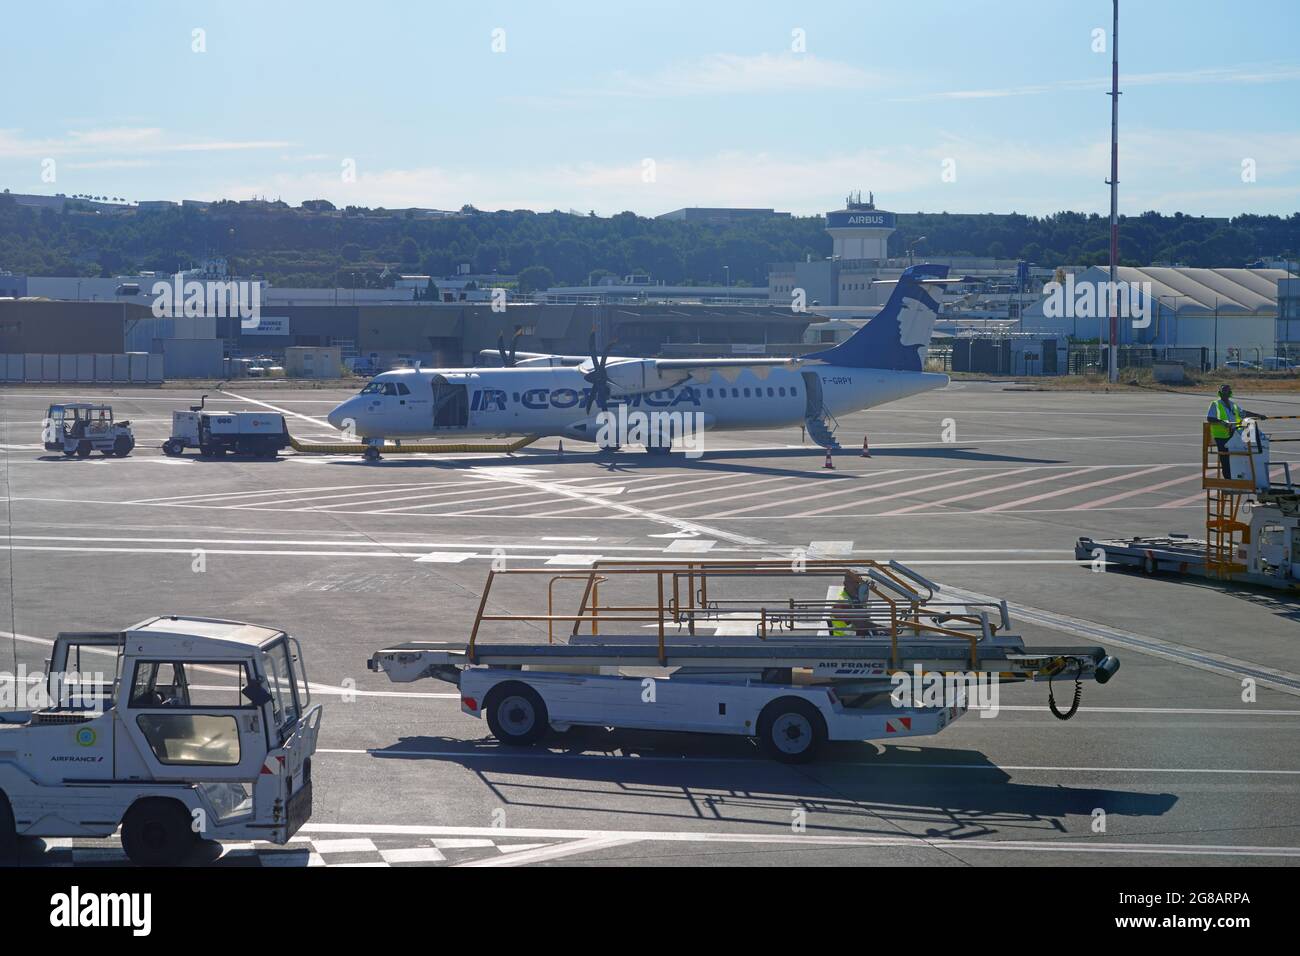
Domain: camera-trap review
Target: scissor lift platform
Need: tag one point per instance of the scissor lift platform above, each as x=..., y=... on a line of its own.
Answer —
x=1252, y=520
x=849, y=665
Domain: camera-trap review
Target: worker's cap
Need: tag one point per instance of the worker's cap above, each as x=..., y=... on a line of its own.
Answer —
x=1225, y=390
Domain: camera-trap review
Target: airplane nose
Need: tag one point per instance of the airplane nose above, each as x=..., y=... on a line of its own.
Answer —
x=338, y=414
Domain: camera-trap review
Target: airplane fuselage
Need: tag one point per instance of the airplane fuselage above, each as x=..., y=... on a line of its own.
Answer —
x=545, y=401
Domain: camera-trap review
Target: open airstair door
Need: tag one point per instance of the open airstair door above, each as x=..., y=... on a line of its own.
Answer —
x=815, y=414
x=450, y=404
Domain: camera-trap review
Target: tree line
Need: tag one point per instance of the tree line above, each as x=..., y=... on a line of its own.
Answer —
x=315, y=246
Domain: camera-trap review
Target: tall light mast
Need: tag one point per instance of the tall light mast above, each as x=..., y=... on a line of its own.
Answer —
x=1113, y=299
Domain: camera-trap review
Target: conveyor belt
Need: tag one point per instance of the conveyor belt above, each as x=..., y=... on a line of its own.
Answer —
x=769, y=653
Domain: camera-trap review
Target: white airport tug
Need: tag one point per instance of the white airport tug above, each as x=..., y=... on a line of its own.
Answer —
x=214, y=433
x=680, y=650
x=176, y=729
x=79, y=428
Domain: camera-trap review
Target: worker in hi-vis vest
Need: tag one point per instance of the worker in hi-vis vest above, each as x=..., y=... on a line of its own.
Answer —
x=1225, y=418
x=847, y=600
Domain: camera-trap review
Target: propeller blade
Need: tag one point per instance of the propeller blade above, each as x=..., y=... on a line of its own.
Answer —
x=514, y=346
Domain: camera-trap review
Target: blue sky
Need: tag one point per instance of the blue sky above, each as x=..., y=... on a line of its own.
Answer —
x=652, y=106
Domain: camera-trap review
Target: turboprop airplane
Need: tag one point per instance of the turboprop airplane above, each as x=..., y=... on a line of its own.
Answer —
x=615, y=401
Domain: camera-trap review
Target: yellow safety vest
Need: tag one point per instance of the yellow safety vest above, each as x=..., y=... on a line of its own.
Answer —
x=1230, y=412
x=841, y=628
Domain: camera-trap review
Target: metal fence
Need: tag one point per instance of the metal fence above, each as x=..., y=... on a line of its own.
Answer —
x=142, y=368
x=1092, y=359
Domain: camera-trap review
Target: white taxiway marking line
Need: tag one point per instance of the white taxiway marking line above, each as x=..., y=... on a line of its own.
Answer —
x=917, y=488
x=860, y=489
x=1004, y=506
x=383, y=491
x=690, y=545
x=414, y=555
x=271, y=491
x=568, y=559
x=672, y=483
x=283, y=411
x=542, y=854
x=388, y=545
x=787, y=838
x=678, y=523
x=1133, y=493
x=832, y=549
x=841, y=485
x=983, y=492
x=1283, y=681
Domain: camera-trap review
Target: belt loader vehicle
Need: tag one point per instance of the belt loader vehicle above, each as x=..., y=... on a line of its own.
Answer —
x=79, y=428
x=213, y=433
x=1252, y=520
x=197, y=729
x=791, y=672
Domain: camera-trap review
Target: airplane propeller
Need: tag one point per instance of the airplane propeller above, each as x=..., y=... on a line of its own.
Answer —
x=598, y=377
x=508, y=358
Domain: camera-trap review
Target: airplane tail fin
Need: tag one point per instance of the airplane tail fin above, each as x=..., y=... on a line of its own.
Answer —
x=898, y=336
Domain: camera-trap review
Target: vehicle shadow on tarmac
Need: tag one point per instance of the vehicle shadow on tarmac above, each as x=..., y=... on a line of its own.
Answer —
x=1276, y=602
x=635, y=462
x=853, y=788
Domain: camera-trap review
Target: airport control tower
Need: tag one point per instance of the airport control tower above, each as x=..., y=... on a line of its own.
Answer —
x=860, y=230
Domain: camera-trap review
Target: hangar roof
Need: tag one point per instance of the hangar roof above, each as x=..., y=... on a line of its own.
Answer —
x=1198, y=291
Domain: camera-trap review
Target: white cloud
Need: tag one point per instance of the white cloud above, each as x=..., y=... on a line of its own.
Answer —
x=727, y=73
x=1212, y=75
x=116, y=141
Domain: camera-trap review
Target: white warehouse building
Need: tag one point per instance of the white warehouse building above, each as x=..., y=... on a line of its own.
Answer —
x=1230, y=312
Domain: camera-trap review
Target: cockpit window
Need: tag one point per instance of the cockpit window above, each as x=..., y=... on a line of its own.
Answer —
x=385, y=388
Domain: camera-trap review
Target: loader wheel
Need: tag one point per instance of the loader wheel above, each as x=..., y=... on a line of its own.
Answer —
x=156, y=832
x=83, y=449
x=791, y=730
x=172, y=448
x=516, y=714
x=8, y=831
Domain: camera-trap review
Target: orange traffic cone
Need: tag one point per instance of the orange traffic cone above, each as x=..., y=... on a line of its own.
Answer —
x=866, y=451
x=829, y=464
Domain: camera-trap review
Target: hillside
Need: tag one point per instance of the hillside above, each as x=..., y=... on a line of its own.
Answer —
x=323, y=247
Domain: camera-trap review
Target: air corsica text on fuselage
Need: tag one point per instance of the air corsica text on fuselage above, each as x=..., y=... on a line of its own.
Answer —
x=490, y=399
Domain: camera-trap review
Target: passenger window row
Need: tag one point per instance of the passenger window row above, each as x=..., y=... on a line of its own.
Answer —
x=779, y=391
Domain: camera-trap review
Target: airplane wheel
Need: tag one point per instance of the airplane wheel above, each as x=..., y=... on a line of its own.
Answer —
x=371, y=453
x=157, y=832
x=69, y=452
x=516, y=714
x=658, y=451
x=83, y=449
x=791, y=730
